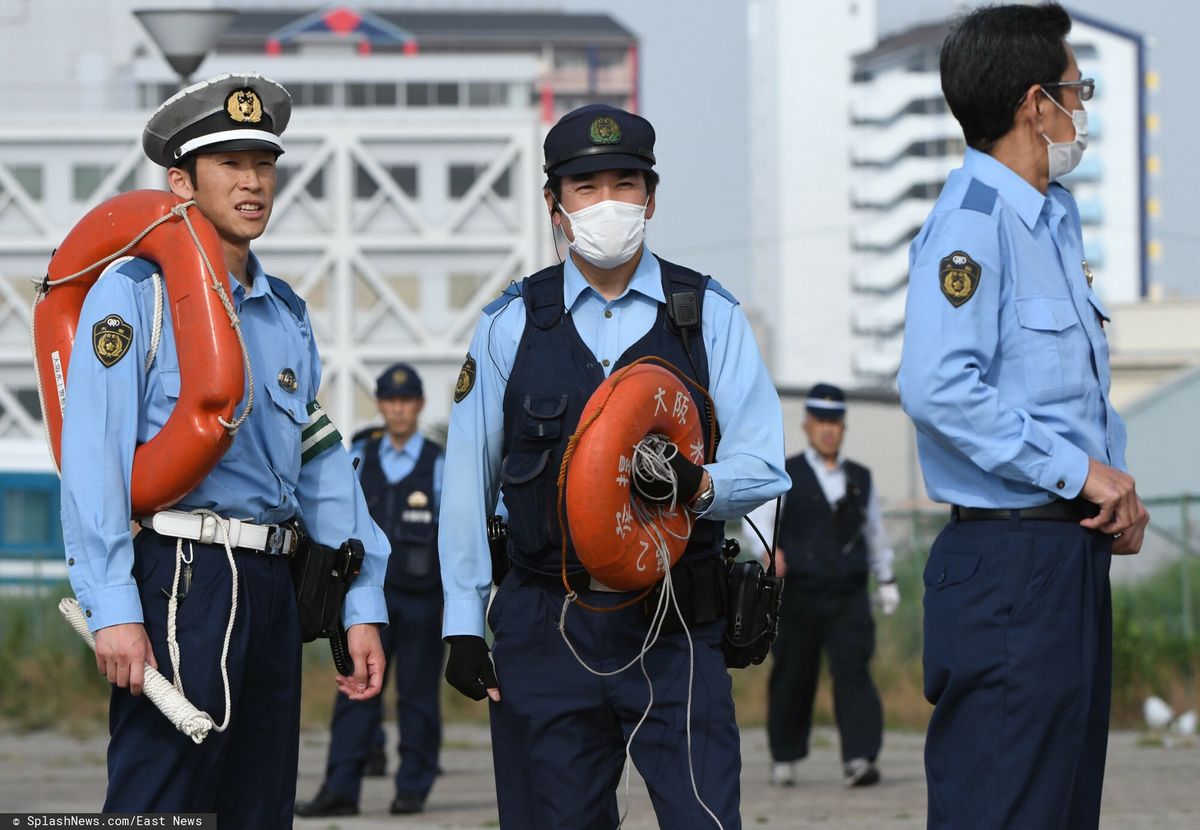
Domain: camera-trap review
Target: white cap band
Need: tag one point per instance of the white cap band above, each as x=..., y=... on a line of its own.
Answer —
x=228, y=135
x=821, y=403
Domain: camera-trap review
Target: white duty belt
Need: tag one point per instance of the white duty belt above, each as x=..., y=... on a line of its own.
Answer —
x=277, y=540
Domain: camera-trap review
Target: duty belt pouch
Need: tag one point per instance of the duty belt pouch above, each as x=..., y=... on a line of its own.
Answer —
x=752, y=614
x=322, y=576
x=700, y=591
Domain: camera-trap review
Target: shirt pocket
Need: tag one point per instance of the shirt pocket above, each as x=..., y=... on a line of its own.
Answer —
x=1054, y=348
x=289, y=413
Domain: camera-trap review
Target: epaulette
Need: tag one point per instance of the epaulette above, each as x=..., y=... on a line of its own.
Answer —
x=713, y=285
x=138, y=269
x=979, y=197
x=292, y=300
x=510, y=293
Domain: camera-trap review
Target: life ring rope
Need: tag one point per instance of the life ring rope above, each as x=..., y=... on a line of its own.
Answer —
x=181, y=211
x=610, y=387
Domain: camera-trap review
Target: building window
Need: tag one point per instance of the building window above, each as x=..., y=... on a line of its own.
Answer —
x=31, y=179
x=311, y=95
x=404, y=175
x=485, y=94
x=384, y=95
x=87, y=178
x=28, y=518
x=464, y=176
x=356, y=95
x=416, y=95
x=447, y=95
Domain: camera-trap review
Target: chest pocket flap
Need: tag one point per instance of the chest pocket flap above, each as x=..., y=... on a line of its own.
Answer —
x=1046, y=313
x=289, y=402
x=1099, y=306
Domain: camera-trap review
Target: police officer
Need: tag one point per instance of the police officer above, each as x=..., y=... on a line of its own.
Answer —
x=830, y=536
x=1005, y=373
x=219, y=140
x=401, y=476
x=558, y=731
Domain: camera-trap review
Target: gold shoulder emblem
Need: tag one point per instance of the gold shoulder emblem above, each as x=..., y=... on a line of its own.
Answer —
x=959, y=277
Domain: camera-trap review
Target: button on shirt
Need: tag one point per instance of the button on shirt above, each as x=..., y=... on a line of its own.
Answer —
x=749, y=465
x=259, y=478
x=1009, y=391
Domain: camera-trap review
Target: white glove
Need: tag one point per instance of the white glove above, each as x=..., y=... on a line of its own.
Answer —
x=888, y=597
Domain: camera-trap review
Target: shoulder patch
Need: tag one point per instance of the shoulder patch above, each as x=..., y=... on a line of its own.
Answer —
x=979, y=197
x=510, y=293
x=111, y=339
x=716, y=287
x=959, y=276
x=290, y=298
x=466, y=379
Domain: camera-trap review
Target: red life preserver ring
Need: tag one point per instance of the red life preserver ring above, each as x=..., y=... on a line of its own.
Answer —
x=192, y=441
x=610, y=542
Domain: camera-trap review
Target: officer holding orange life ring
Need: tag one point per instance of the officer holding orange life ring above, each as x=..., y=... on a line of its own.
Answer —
x=539, y=351
x=219, y=140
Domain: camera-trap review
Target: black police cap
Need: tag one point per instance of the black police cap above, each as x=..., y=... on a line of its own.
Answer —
x=826, y=401
x=400, y=380
x=598, y=137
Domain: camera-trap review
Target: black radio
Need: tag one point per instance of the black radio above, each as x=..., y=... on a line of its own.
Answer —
x=751, y=610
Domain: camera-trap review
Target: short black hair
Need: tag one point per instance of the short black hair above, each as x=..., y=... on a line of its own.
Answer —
x=990, y=59
x=554, y=183
x=188, y=165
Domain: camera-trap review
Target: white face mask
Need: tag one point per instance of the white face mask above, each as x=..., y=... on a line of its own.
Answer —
x=1065, y=155
x=609, y=233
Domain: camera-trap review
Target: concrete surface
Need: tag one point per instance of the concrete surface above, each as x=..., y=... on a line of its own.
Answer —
x=1148, y=787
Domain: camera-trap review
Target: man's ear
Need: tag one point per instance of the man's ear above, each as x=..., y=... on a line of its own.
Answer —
x=555, y=218
x=650, y=207
x=180, y=183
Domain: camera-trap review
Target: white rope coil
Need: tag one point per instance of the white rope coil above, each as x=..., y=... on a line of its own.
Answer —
x=651, y=461
x=187, y=718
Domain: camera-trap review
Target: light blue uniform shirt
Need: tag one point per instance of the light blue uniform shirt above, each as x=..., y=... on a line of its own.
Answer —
x=1010, y=390
x=749, y=466
x=397, y=464
x=260, y=478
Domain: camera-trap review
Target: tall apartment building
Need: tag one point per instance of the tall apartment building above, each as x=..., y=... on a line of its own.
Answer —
x=905, y=141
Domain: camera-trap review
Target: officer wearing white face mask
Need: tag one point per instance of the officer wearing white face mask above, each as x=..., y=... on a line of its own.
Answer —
x=1005, y=373
x=539, y=351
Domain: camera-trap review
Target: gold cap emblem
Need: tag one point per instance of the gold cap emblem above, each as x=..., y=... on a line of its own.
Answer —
x=417, y=499
x=244, y=106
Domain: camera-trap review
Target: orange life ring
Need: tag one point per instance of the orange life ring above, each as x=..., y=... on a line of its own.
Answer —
x=192, y=441
x=610, y=542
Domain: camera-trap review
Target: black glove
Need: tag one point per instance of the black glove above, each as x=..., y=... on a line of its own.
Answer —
x=687, y=474
x=469, y=668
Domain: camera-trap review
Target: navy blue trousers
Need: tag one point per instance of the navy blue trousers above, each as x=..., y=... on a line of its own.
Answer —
x=413, y=644
x=1018, y=666
x=246, y=774
x=559, y=732
x=840, y=624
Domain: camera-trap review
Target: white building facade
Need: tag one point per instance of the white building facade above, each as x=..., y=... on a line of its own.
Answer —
x=800, y=88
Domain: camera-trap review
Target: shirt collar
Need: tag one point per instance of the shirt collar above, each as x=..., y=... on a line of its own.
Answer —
x=818, y=463
x=647, y=280
x=1019, y=194
x=258, y=280
x=412, y=447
